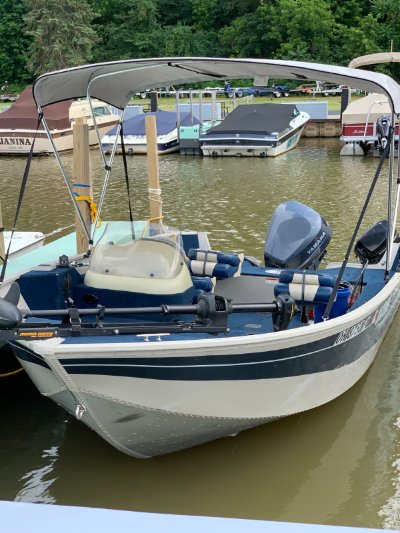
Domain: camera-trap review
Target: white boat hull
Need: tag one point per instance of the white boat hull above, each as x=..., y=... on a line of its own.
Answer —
x=137, y=144
x=19, y=142
x=144, y=403
x=270, y=149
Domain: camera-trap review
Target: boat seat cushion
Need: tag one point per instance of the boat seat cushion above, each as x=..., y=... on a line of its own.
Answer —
x=211, y=263
x=305, y=286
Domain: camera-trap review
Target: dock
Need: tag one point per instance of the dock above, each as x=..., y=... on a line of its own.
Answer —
x=328, y=127
x=19, y=517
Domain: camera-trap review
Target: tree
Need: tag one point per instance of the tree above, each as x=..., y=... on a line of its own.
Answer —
x=305, y=26
x=61, y=34
x=172, y=12
x=355, y=41
x=127, y=28
x=252, y=34
x=13, y=42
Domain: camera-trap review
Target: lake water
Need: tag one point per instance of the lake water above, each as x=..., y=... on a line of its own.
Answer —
x=338, y=464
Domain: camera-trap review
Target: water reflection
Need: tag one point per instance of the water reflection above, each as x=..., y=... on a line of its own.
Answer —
x=336, y=465
x=331, y=465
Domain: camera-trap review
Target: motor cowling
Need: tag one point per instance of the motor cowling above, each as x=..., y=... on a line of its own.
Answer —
x=371, y=246
x=297, y=237
x=382, y=131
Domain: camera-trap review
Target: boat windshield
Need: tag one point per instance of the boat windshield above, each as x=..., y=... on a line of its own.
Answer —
x=101, y=111
x=149, y=251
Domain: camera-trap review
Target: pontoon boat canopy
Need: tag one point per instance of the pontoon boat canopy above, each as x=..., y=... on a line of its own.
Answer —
x=373, y=59
x=370, y=107
x=134, y=75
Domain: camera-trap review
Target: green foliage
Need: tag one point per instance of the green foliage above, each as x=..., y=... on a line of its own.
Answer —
x=304, y=29
x=13, y=42
x=42, y=35
x=127, y=28
x=61, y=34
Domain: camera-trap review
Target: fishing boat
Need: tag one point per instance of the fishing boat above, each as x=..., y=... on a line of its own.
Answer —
x=158, y=342
x=255, y=130
x=134, y=133
x=19, y=123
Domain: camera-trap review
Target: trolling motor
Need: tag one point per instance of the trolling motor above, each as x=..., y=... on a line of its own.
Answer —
x=371, y=246
x=382, y=131
x=211, y=313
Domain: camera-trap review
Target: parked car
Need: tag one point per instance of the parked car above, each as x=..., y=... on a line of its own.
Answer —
x=266, y=91
x=8, y=97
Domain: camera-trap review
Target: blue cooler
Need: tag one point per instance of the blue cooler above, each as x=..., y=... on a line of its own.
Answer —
x=340, y=305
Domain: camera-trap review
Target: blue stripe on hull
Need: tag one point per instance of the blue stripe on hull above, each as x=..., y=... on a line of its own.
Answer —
x=319, y=356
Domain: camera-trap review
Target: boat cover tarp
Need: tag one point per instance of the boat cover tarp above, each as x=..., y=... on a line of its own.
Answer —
x=357, y=111
x=23, y=114
x=165, y=121
x=256, y=118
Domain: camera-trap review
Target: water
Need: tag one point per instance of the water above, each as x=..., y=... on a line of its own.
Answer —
x=338, y=464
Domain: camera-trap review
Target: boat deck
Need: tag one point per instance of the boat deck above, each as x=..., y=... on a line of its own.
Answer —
x=244, y=324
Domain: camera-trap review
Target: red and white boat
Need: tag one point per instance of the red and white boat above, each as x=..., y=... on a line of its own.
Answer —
x=359, y=132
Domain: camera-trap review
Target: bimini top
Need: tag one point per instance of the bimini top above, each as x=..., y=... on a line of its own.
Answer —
x=117, y=81
x=256, y=118
x=166, y=122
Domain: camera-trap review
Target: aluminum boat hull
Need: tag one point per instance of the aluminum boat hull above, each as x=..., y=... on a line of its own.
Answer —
x=158, y=396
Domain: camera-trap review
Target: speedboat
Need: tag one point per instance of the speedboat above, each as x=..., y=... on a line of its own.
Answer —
x=261, y=130
x=158, y=342
x=19, y=123
x=134, y=133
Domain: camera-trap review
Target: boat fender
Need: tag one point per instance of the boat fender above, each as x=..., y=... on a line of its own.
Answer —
x=286, y=307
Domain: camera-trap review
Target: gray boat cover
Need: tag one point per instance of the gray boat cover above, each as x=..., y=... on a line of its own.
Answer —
x=256, y=118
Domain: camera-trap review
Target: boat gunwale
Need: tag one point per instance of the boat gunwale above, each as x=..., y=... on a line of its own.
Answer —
x=276, y=339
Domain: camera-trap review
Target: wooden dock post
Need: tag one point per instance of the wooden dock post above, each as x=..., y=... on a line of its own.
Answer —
x=153, y=169
x=82, y=180
x=2, y=247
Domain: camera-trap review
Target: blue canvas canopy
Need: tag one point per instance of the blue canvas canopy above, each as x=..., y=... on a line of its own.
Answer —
x=166, y=122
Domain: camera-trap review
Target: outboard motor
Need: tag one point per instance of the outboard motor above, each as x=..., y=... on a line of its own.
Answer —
x=297, y=237
x=371, y=246
x=382, y=131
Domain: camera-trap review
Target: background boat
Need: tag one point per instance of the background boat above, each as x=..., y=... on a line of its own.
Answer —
x=263, y=130
x=18, y=124
x=135, y=132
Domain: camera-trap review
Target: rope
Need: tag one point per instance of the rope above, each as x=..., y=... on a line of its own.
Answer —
x=155, y=196
x=92, y=205
x=8, y=374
